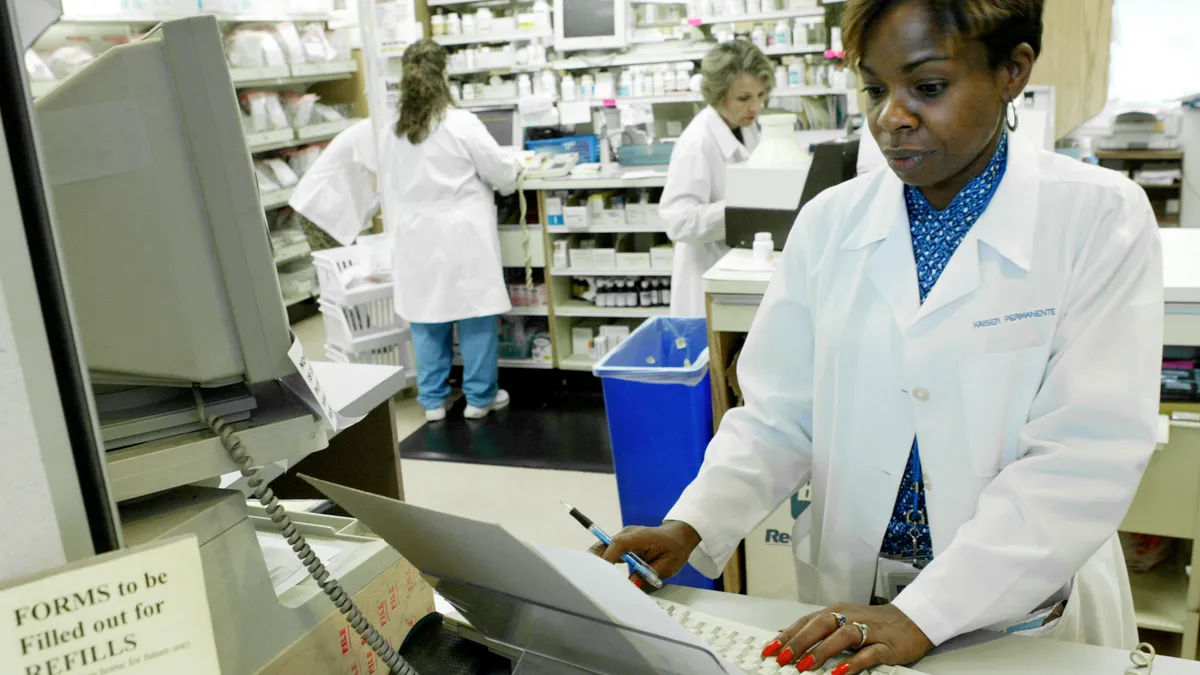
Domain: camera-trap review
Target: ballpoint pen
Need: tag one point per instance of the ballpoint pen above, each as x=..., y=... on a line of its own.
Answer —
x=638, y=565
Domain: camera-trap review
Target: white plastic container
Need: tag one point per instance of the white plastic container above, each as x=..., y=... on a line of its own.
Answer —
x=524, y=85
x=484, y=20
x=437, y=24
x=669, y=80
x=754, y=7
x=660, y=82
x=783, y=33
x=469, y=24
x=796, y=73
x=759, y=36
x=683, y=74
x=541, y=15
x=454, y=24
x=781, y=78
x=549, y=82
x=569, y=91
x=625, y=84
x=764, y=248
x=735, y=7
x=587, y=87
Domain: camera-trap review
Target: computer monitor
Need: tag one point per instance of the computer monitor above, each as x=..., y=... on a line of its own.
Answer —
x=504, y=124
x=167, y=255
x=590, y=24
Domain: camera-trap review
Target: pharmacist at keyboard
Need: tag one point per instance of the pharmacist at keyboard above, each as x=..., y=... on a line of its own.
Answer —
x=961, y=352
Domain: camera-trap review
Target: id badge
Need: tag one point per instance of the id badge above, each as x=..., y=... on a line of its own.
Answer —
x=892, y=577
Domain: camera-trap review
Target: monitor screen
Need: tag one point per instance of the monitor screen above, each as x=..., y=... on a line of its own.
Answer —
x=589, y=18
x=500, y=125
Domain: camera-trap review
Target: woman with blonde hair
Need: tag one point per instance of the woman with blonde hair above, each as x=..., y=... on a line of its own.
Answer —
x=737, y=81
x=443, y=167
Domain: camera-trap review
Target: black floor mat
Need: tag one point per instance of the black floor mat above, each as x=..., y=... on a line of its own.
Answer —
x=556, y=421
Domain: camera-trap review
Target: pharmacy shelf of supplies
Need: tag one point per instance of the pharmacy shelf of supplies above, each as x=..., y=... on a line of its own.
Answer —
x=606, y=229
x=658, y=2
x=579, y=308
x=1160, y=597
x=537, y=310
x=693, y=52
x=289, y=302
x=610, y=272
x=464, y=72
x=492, y=38
x=580, y=362
x=764, y=17
x=276, y=199
x=680, y=97
x=246, y=78
x=223, y=18
x=455, y=3
x=793, y=50
x=485, y=103
x=797, y=92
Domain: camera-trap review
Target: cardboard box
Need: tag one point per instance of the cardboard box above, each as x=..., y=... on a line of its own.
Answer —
x=581, y=339
x=662, y=257
x=554, y=211
x=576, y=217
x=581, y=257
x=633, y=261
x=613, y=217
x=604, y=258
x=635, y=214
x=393, y=603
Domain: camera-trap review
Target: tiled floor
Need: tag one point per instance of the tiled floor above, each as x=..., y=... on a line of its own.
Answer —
x=525, y=501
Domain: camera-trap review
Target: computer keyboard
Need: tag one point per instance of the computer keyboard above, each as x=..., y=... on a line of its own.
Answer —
x=741, y=646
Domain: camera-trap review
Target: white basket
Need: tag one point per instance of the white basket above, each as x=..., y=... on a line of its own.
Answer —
x=333, y=266
x=395, y=354
x=362, y=325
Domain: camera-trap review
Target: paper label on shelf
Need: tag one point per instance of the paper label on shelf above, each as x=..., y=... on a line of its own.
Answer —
x=695, y=22
x=304, y=384
x=575, y=112
x=142, y=610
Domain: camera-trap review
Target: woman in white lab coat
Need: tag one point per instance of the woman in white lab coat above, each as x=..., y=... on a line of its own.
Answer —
x=442, y=169
x=737, y=82
x=961, y=351
x=338, y=192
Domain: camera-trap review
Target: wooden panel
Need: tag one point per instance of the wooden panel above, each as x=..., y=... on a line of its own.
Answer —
x=1075, y=58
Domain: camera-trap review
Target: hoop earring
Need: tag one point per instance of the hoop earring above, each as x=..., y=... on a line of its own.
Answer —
x=1016, y=119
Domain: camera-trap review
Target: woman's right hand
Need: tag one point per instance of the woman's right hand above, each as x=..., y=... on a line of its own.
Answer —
x=665, y=548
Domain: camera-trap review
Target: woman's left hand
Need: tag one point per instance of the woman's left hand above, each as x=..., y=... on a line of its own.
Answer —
x=892, y=639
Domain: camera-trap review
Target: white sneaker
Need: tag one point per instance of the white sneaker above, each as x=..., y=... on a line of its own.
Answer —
x=436, y=414
x=499, y=403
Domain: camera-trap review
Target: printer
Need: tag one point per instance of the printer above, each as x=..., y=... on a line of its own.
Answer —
x=766, y=192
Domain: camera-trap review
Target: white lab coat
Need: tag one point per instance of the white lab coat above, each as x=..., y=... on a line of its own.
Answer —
x=338, y=193
x=693, y=204
x=1030, y=375
x=438, y=203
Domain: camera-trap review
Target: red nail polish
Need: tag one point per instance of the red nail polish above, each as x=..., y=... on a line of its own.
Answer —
x=842, y=669
x=806, y=663
x=772, y=649
x=785, y=657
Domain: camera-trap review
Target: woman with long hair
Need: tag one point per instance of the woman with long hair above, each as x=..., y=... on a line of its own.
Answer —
x=443, y=167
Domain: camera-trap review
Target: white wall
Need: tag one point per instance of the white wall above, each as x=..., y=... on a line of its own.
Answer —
x=1155, y=49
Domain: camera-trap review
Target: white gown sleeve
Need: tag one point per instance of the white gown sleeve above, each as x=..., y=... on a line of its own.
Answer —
x=686, y=206
x=497, y=167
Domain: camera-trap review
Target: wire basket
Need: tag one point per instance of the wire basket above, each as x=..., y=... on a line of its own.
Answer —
x=352, y=275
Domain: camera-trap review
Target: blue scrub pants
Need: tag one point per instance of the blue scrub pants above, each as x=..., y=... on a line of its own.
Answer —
x=434, y=344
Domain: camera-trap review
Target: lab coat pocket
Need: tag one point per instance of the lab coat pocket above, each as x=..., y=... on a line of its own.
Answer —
x=997, y=392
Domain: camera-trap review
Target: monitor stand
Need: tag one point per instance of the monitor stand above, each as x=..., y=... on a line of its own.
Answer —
x=133, y=415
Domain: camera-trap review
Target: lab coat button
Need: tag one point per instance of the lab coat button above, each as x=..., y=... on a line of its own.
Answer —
x=921, y=394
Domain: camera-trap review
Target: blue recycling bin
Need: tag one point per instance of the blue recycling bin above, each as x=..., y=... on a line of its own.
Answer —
x=658, y=401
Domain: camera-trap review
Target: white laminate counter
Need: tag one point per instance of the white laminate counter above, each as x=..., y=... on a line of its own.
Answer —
x=736, y=294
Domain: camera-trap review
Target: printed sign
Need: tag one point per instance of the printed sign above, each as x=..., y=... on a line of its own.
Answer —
x=136, y=612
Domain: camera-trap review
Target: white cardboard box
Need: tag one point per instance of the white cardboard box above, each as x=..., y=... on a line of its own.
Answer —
x=576, y=217
x=581, y=257
x=581, y=339
x=662, y=257
x=633, y=261
x=604, y=258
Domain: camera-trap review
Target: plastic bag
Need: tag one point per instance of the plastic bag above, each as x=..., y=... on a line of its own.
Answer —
x=253, y=48
x=663, y=350
x=266, y=111
x=300, y=107
x=266, y=181
x=70, y=59
x=316, y=45
x=327, y=113
x=303, y=159
x=284, y=174
x=289, y=39
x=37, y=68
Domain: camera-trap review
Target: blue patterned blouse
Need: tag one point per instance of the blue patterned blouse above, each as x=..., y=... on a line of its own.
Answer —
x=936, y=235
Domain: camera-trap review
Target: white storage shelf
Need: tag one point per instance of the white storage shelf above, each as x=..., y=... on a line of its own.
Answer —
x=814, y=14
x=793, y=50
x=276, y=199
x=278, y=139
x=693, y=52
x=606, y=229
x=138, y=19
x=492, y=38
x=579, y=308
x=308, y=73
x=580, y=362
x=536, y=310
x=613, y=272
x=617, y=183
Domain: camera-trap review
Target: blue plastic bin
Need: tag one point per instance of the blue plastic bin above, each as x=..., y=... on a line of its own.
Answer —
x=588, y=147
x=660, y=420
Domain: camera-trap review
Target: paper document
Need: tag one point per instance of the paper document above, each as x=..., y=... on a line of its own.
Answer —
x=285, y=569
